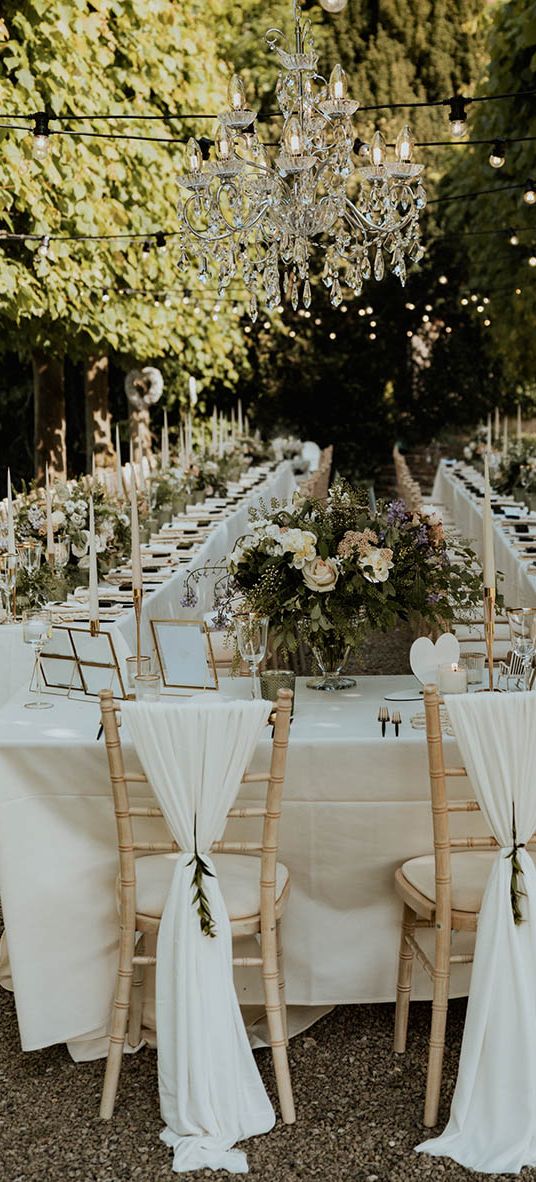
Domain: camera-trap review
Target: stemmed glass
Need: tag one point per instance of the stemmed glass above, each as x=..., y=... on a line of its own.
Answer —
x=36, y=630
x=522, y=624
x=252, y=638
x=29, y=555
x=8, y=581
x=62, y=551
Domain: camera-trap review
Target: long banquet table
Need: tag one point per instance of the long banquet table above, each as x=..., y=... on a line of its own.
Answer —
x=356, y=805
x=459, y=486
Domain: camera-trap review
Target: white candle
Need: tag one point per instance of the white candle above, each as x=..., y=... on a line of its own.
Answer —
x=11, y=547
x=232, y=423
x=141, y=482
x=131, y=452
x=452, y=679
x=488, y=433
x=192, y=386
x=214, y=430
x=93, y=467
x=519, y=423
x=505, y=436
x=246, y=425
x=165, y=442
x=488, y=555
x=220, y=440
x=135, y=539
x=118, y=468
x=497, y=430
x=93, y=577
x=240, y=419
x=50, y=531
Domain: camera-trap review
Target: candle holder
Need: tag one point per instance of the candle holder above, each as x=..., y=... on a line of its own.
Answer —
x=489, y=631
x=94, y=628
x=137, y=596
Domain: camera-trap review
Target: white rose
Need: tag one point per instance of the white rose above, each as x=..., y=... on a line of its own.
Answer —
x=302, y=544
x=320, y=574
x=380, y=562
x=58, y=518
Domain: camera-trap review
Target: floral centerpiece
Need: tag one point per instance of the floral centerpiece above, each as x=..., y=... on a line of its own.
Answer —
x=325, y=572
x=517, y=471
x=476, y=446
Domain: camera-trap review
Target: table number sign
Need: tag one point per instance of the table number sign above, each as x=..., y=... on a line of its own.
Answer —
x=185, y=655
x=74, y=661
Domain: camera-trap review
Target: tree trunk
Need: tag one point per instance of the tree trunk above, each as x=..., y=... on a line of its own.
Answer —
x=140, y=428
x=49, y=415
x=98, y=423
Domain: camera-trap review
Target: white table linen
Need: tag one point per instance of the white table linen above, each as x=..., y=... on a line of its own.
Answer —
x=355, y=807
x=492, y=1126
x=518, y=585
x=211, y=1093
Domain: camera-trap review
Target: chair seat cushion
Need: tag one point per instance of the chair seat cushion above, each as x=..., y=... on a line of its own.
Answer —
x=239, y=877
x=469, y=870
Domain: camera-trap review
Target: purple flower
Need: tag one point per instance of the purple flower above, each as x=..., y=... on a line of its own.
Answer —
x=421, y=536
x=397, y=513
x=189, y=598
x=432, y=597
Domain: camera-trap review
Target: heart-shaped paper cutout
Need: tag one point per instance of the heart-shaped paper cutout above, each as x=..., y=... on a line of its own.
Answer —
x=425, y=657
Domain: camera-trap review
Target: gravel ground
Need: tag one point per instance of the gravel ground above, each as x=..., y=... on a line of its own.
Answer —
x=359, y=1109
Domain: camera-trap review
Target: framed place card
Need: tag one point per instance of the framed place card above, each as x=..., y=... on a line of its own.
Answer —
x=74, y=661
x=185, y=654
x=59, y=665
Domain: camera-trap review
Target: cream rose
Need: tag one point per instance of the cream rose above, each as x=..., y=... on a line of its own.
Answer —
x=320, y=574
x=380, y=562
x=301, y=543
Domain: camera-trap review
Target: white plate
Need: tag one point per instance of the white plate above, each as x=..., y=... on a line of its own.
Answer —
x=404, y=696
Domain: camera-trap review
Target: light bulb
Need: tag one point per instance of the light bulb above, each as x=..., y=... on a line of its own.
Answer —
x=338, y=83
x=222, y=143
x=532, y=260
x=497, y=154
x=105, y=297
x=514, y=240
x=442, y=280
x=44, y=244
x=457, y=116
x=458, y=128
x=529, y=196
x=236, y=93
x=160, y=240
x=292, y=137
x=40, y=147
x=194, y=155
x=333, y=5
x=464, y=301
x=405, y=144
x=377, y=149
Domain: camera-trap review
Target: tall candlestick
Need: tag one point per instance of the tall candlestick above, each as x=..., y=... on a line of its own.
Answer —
x=246, y=425
x=220, y=440
x=519, y=423
x=94, y=624
x=488, y=555
x=93, y=466
x=50, y=530
x=240, y=419
x=118, y=468
x=505, y=437
x=488, y=432
x=11, y=547
x=232, y=423
x=497, y=430
x=135, y=539
x=142, y=483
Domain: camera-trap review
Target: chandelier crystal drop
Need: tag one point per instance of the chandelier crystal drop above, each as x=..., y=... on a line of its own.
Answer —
x=260, y=213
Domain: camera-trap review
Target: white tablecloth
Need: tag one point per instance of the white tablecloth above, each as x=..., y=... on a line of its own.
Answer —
x=519, y=585
x=355, y=807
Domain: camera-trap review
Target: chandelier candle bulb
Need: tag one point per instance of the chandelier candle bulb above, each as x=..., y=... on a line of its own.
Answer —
x=377, y=149
x=405, y=144
x=236, y=93
x=194, y=156
x=338, y=83
x=94, y=624
x=488, y=554
x=292, y=137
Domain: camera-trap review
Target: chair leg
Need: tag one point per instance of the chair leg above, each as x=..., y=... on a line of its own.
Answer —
x=281, y=974
x=119, y=1024
x=272, y=1001
x=405, y=972
x=439, y=1022
x=136, y=999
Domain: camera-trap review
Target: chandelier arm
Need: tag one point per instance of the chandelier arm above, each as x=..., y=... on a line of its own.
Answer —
x=355, y=217
x=203, y=236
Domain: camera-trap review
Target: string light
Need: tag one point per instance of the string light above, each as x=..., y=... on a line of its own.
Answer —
x=458, y=116
x=532, y=260
x=529, y=196
x=514, y=240
x=332, y=336
x=497, y=155
x=442, y=280
x=448, y=328
x=160, y=242
x=43, y=247
x=409, y=333
x=487, y=322
x=372, y=336
x=41, y=136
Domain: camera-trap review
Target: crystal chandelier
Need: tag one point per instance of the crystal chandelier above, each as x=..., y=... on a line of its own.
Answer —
x=259, y=213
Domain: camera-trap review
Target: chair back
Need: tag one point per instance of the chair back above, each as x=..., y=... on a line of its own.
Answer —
x=270, y=812
x=443, y=807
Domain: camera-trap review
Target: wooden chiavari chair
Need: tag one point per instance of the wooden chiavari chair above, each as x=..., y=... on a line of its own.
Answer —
x=255, y=887
x=442, y=891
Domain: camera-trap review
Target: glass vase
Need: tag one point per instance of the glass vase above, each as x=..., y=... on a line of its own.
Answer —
x=331, y=662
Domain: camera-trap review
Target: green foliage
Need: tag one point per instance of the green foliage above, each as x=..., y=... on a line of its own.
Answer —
x=104, y=57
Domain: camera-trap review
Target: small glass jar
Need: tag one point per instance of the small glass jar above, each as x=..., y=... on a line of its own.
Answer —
x=147, y=687
x=474, y=663
x=132, y=669
x=273, y=680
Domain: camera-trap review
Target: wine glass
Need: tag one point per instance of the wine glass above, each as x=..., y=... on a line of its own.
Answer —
x=252, y=637
x=522, y=624
x=62, y=552
x=36, y=630
x=8, y=581
x=29, y=555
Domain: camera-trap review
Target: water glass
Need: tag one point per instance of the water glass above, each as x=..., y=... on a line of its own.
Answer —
x=133, y=670
x=36, y=630
x=147, y=687
x=62, y=551
x=522, y=624
x=252, y=638
x=8, y=582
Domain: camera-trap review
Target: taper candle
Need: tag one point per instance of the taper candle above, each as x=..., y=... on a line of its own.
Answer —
x=50, y=530
x=93, y=577
x=488, y=432
x=118, y=468
x=497, y=430
x=240, y=419
x=214, y=430
x=488, y=555
x=11, y=547
x=135, y=539
x=519, y=423
x=505, y=436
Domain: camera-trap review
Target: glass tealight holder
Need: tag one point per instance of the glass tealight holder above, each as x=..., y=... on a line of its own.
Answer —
x=475, y=664
x=132, y=669
x=147, y=687
x=452, y=679
x=273, y=680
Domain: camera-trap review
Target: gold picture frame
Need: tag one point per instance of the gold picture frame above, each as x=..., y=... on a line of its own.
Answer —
x=206, y=655
x=80, y=655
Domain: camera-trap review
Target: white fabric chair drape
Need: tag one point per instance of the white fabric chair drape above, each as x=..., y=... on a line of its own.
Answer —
x=211, y=1094
x=492, y=1126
